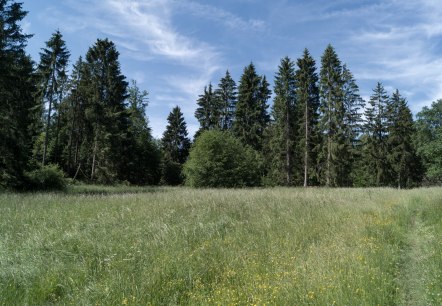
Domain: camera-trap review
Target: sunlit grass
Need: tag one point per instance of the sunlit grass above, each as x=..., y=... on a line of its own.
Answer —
x=119, y=245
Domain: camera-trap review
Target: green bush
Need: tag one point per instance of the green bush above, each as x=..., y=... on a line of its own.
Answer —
x=218, y=159
x=48, y=177
x=171, y=173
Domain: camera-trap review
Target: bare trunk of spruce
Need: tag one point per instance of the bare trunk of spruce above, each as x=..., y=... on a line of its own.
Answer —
x=287, y=146
x=306, y=146
x=94, y=156
x=327, y=183
x=60, y=98
x=48, y=123
x=399, y=180
x=71, y=136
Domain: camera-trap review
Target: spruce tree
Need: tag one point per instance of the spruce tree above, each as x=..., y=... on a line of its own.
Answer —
x=353, y=123
x=251, y=116
x=176, y=146
x=107, y=92
x=141, y=155
x=283, y=112
x=226, y=96
x=375, y=142
x=208, y=110
x=19, y=113
x=74, y=129
x=52, y=72
x=307, y=94
x=401, y=153
x=332, y=124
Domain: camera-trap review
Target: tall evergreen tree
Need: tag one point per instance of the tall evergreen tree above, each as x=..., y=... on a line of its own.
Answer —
x=176, y=146
x=353, y=123
x=375, y=128
x=73, y=121
x=106, y=112
x=401, y=153
x=141, y=155
x=226, y=96
x=283, y=111
x=307, y=94
x=332, y=124
x=52, y=72
x=208, y=110
x=251, y=116
x=19, y=114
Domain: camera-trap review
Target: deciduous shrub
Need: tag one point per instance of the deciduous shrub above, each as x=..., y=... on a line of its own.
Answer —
x=48, y=177
x=218, y=159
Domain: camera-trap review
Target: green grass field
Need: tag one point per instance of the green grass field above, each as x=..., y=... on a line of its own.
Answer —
x=118, y=246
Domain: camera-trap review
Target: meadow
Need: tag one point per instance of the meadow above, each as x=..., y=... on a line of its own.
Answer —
x=165, y=246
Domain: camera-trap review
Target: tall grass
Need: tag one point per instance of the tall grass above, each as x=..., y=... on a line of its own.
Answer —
x=253, y=246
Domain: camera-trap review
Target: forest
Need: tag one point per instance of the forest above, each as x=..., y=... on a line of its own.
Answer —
x=87, y=122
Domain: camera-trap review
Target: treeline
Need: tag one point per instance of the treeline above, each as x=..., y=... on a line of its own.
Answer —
x=319, y=131
x=91, y=125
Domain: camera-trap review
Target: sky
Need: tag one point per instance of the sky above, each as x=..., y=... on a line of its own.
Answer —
x=173, y=48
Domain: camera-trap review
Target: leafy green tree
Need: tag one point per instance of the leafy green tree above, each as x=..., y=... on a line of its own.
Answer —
x=19, y=117
x=176, y=146
x=376, y=130
x=307, y=95
x=218, y=159
x=429, y=141
x=226, y=96
x=332, y=124
x=251, y=116
x=54, y=60
x=283, y=112
x=401, y=153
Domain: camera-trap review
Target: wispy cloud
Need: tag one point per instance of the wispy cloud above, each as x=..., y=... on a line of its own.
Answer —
x=144, y=26
x=145, y=30
x=402, y=52
x=219, y=15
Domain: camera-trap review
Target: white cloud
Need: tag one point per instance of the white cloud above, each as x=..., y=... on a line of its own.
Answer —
x=400, y=51
x=216, y=14
x=144, y=30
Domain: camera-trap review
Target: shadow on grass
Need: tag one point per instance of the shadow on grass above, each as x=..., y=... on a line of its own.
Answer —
x=84, y=189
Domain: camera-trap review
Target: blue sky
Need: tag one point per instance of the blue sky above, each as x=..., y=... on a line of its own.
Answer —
x=173, y=48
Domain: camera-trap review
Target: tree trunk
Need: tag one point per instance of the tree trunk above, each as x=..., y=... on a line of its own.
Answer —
x=329, y=134
x=94, y=156
x=287, y=146
x=48, y=122
x=306, y=146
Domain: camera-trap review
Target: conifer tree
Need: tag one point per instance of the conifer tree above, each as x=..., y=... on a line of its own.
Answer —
x=307, y=94
x=283, y=112
x=208, y=110
x=176, y=146
x=375, y=128
x=52, y=72
x=141, y=155
x=332, y=124
x=401, y=153
x=74, y=125
x=353, y=123
x=251, y=116
x=226, y=96
x=19, y=113
x=107, y=92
